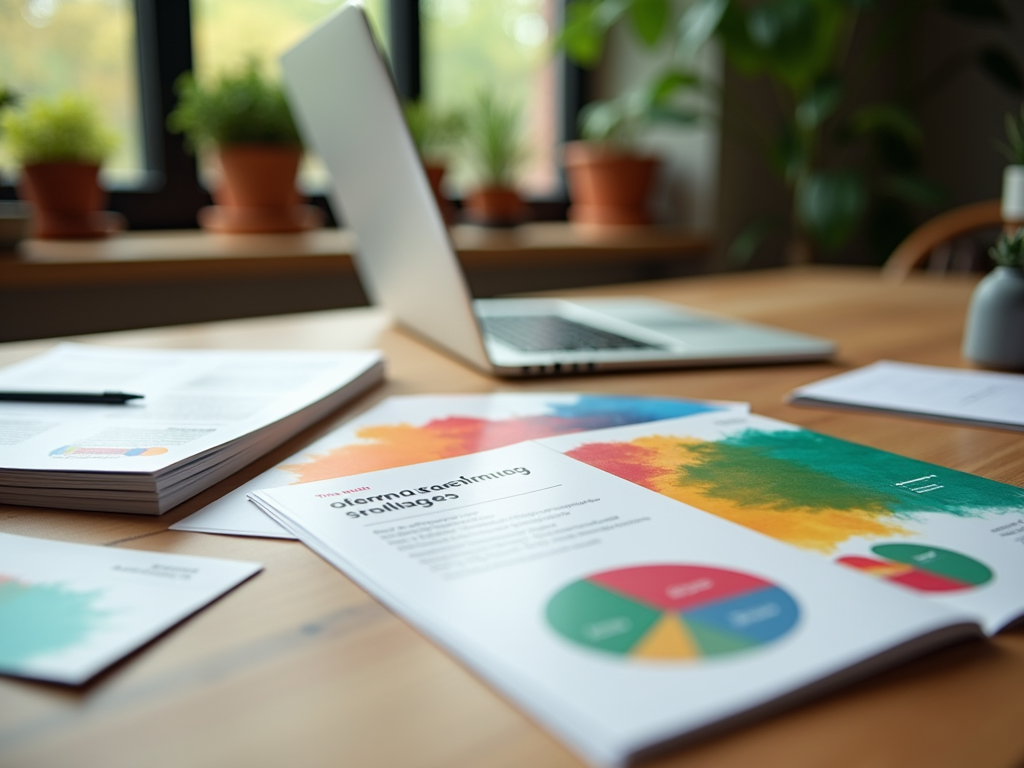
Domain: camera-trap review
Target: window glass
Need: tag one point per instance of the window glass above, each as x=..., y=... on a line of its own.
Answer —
x=227, y=33
x=86, y=47
x=502, y=46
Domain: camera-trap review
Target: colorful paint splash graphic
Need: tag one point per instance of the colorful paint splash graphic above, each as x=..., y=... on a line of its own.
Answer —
x=398, y=445
x=36, y=619
x=798, y=486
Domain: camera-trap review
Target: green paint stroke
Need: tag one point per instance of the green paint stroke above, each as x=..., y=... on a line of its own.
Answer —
x=42, y=618
x=786, y=470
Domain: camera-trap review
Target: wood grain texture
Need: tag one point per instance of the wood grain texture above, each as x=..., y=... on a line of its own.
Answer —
x=300, y=667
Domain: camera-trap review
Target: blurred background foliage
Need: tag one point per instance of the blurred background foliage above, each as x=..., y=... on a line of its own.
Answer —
x=850, y=162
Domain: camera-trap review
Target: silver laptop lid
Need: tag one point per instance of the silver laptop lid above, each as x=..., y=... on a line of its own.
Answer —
x=347, y=109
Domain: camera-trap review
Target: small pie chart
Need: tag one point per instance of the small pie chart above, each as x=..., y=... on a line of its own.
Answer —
x=922, y=568
x=671, y=612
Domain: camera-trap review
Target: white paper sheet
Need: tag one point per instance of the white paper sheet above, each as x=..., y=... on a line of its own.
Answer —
x=68, y=611
x=980, y=398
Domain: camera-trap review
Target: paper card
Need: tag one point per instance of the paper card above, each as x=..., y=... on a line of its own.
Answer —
x=68, y=611
x=982, y=398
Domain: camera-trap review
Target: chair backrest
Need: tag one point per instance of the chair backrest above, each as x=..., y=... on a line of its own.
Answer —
x=938, y=231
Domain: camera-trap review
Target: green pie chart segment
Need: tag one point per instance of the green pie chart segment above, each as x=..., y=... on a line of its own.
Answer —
x=671, y=612
x=941, y=562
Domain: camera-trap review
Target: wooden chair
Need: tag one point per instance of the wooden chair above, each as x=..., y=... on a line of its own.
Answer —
x=938, y=234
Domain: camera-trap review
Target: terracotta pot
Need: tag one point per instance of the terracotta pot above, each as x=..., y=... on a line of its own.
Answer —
x=67, y=201
x=607, y=185
x=495, y=207
x=256, y=192
x=435, y=175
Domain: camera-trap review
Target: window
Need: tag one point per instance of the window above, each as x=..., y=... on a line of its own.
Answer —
x=136, y=49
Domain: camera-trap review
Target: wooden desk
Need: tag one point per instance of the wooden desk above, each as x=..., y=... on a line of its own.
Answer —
x=300, y=667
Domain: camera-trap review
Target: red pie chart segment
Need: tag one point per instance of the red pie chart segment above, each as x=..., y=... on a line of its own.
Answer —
x=677, y=587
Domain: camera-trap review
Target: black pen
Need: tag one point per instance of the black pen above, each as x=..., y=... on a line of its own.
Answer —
x=101, y=398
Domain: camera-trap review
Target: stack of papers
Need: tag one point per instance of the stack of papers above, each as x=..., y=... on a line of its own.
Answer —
x=205, y=415
x=68, y=611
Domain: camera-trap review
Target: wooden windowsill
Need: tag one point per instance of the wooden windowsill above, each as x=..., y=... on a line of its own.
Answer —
x=190, y=255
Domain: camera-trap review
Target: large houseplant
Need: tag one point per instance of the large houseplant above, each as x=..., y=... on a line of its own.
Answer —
x=848, y=163
x=610, y=179
x=60, y=144
x=243, y=119
x=497, y=151
x=436, y=134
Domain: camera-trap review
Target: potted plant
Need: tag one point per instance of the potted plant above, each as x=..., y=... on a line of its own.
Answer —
x=435, y=133
x=497, y=151
x=1013, y=174
x=244, y=119
x=993, y=334
x=609, y=180
x=60, y=145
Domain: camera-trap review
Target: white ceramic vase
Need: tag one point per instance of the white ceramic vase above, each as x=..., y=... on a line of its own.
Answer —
x=994, y=333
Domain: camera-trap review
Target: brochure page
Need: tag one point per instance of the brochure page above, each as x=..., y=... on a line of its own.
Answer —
x=68, y=611
x=416, y=428
x=619, y=618
x=953, y=537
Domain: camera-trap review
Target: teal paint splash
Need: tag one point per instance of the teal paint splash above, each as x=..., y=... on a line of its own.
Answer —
x=36, y=619
x=801, y=469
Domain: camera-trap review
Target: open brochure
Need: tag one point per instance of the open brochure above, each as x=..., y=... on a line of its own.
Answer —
x=977, y=398
x=955, y=538
x=409, y=429
x=621, y=619
x=68, y=611
x=205, y=414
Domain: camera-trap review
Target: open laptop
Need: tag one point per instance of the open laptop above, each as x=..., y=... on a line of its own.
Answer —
x=347, y=109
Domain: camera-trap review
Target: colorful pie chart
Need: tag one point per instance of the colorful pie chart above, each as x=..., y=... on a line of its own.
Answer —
x=923, y=568
x=672, y=612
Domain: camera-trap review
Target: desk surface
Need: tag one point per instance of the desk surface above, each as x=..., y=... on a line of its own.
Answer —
x=301, y=667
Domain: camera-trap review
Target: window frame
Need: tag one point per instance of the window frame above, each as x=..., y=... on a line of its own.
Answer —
x=171, y=193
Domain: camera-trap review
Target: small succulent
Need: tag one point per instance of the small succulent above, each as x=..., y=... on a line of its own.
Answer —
x=1009, y=250
x=494, y=140
x=435, y=132
x=241, y=107
x=64, y=129
x=1013, y=149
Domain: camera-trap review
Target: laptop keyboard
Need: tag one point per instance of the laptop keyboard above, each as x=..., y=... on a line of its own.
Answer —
x=551, y=333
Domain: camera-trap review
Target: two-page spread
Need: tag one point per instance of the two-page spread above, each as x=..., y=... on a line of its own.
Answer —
x=618, y=617
x=416, y=428
x=68, y=611
x=938, y=533
x=204, y=415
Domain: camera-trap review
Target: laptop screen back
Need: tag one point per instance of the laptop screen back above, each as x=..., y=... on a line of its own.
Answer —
x=347, y=110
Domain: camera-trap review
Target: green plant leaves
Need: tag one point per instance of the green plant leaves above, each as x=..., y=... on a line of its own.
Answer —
x=64, y=129
x=697, y=24
x=649, y=18
x=829, y=206
x=586, y=25
x=819, y=103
